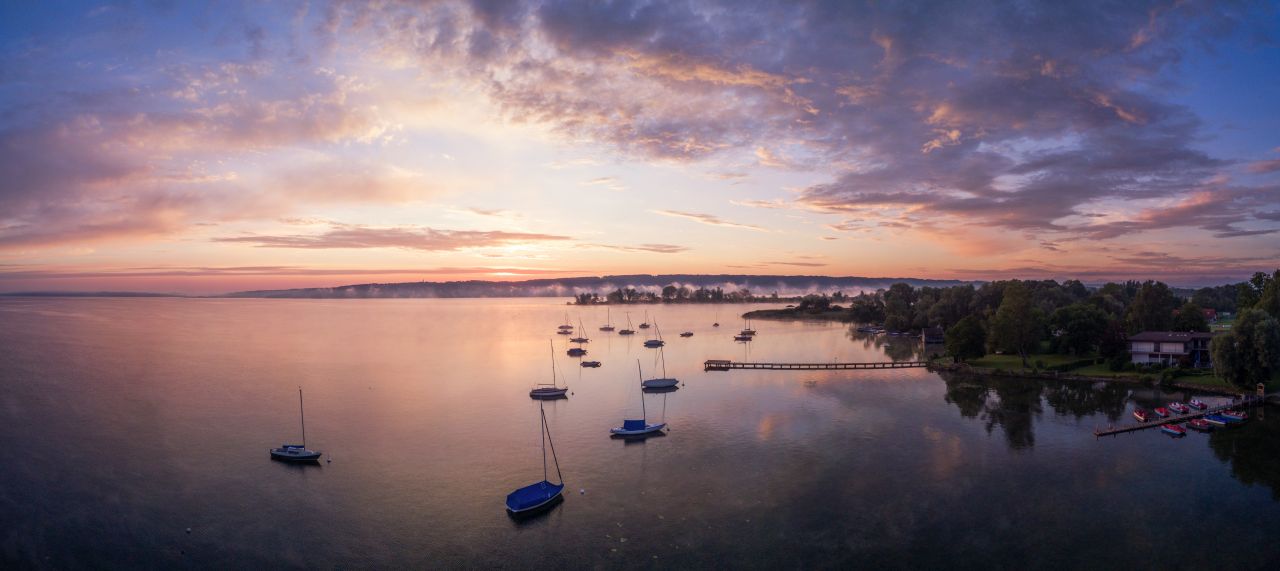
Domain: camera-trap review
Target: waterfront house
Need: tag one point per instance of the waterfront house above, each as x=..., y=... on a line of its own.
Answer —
x=1170, y=347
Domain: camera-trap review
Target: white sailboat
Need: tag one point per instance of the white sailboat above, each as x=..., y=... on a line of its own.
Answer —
x=549, y=390
x=608, y=320
x=297, y=452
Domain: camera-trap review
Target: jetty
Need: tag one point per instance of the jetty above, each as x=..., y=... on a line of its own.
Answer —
x=726, y=365
x=1248, y=401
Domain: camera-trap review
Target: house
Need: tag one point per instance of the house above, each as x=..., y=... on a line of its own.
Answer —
x=1169, y=347
x=932, y=335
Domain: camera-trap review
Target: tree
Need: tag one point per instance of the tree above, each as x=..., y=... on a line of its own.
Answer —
x=1016, y=325
x=1114, y=345
x=1269, y=297
x=966, y=340
x=897, y=307
x=1250, y=352
x=1152, y=308
x=952, y=306
x=1246, y=297
x=1081, y=326
x=1190, y=317
x=669, y=292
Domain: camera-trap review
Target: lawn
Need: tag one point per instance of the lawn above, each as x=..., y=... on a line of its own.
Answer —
x=1013, y=362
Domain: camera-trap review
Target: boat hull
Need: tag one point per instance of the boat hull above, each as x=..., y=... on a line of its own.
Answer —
x=305, y=456
x=648, y=429
x=533, y=497
x=548, y=393
x=659, y=383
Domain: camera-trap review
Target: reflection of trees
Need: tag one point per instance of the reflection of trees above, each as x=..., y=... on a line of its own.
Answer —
x=1082, y=399
x=1252, y=450
x=1009, y=403
x=895, y=348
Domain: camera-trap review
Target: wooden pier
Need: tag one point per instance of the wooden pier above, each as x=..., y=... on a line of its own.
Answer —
x=725, y=365
x=1177, y=418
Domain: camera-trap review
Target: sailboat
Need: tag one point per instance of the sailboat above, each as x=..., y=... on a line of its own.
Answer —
x=664, y=381
x=635, y=427
x=608, y=321
x=655, y=343
x=579, y=339
x=297, y=452
x=645, y=324
x=549, y=391
x=541, y=494
x=748, y=331
x=567, y=328
x=628, y=330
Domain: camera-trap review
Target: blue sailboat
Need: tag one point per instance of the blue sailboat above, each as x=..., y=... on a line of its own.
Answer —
x=638, y=426
x=543, y=494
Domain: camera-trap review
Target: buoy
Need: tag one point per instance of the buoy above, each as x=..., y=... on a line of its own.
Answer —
x=188, y=530
x=582, y=491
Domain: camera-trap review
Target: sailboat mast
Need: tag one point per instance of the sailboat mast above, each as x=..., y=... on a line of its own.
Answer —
x=302, y=413
x=643, y=413
x=553, y=361
x=556, y=459
x=542, y=433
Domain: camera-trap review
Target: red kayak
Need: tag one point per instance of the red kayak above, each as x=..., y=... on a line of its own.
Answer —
x=1140, y=414
x=1162, y=412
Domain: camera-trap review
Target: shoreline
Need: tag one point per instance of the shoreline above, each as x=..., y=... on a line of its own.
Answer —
x=962, y=368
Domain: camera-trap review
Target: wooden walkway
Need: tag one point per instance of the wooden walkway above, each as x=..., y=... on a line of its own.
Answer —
x=725, y=365
x=1156, y=422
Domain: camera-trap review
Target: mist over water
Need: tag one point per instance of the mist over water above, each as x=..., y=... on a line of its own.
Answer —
x=123, y=422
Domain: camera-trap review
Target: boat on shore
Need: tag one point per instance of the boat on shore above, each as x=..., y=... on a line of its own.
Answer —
x=1140, y=414
x=535, y=497
x=549, y=390
x=297, y=452
x=1173, y=430
x=1179, y=408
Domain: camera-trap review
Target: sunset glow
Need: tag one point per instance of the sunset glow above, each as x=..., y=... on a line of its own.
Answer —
x=209, y=149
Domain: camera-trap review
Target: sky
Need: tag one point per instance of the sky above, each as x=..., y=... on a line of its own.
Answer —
x=207, y=148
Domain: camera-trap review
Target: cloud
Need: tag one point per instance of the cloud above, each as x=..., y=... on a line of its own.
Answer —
x=708, y=219
x=801, y=264
x=1262, y=167
x=413, y=238
x=649, y=248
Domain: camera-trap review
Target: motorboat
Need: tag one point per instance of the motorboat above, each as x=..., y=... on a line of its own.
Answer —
x=687, y=334
x=1179, y=408
x=1140, y=414
x=1161, y=412
x=1217, y=420
x=542, y=494
x=1173, y=430
x=1234, y=415
x=297, y=452
x=1196, y=404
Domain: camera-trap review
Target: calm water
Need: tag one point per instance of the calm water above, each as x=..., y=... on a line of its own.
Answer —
x=123, y=422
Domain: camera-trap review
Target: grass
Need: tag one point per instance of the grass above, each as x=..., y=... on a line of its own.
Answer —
x=1014, y=362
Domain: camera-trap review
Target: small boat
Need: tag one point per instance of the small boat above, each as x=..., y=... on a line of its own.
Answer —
x=747, y=331
x=628, y=330
x=541, y=494
x=656, y=342
x=549, y=391
x=297, y=452
x=608, y=321
x=1140, y=414
x=645, y=324
x=687, y=334
x=1217, y=420
x=1234, y=415
x=1173, y=430
x=576, y=351
x=592, y=364
x=866, y=329
x=564, y=332
x=1199, y=424
x=1196, y=404
x=741, y=337
x=1179, y=408
x=1161, y=412
x=664, y=381
x=717, y=324
x=639, y=426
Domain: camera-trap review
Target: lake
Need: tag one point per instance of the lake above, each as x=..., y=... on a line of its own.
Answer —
x=126, y=422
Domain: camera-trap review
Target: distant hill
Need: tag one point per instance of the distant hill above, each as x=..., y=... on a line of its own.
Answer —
x=568, y=287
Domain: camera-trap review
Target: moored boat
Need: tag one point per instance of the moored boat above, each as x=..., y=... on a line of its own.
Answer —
x=1140, y=414
x=297, y=452
x=592, y=364
x=741, y=337
x=640, y=426
x=1179, y=408
x=1173, y=430
x=1199, y=424
x=1234, y=415
x=608, y=325
x=576, y=351
x=687, y=334
x=542, y=494
x=1196, y=404
x=1217, y=420
x=549, y=390
x=1161, y=412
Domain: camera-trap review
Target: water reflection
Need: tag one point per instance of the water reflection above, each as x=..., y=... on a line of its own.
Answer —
x=1013, y=403
x=896, y=348
x=1252, y=450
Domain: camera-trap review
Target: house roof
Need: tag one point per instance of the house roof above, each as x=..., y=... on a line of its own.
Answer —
x=1169, y=336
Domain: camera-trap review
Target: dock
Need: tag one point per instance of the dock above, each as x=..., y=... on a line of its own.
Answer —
x=1177, y=418
x=725, y=365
